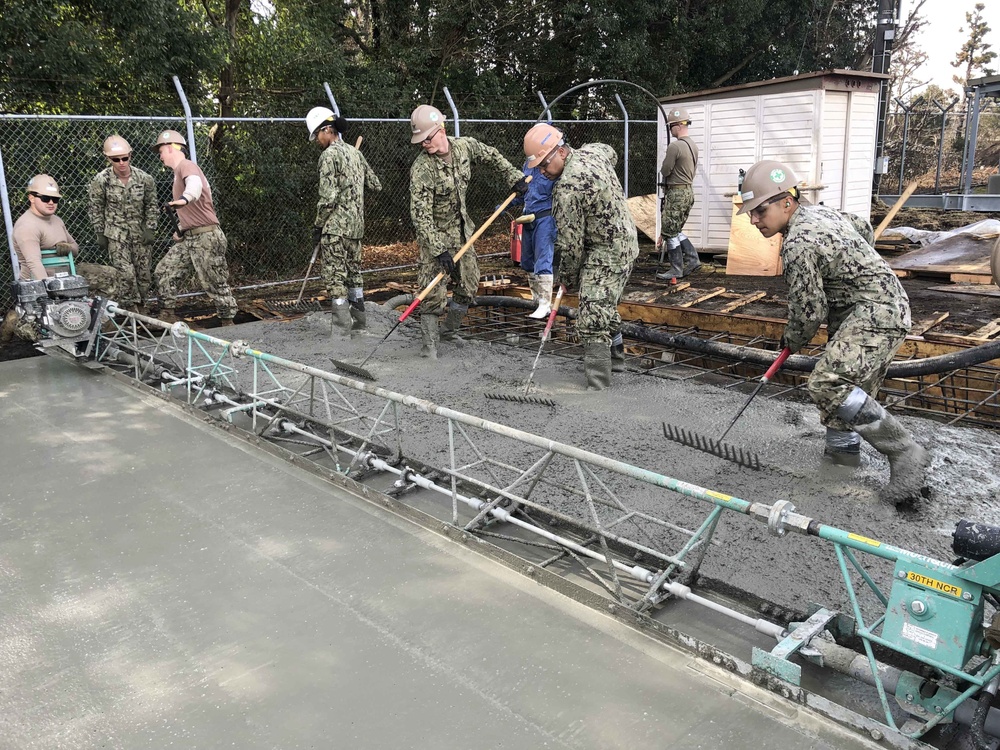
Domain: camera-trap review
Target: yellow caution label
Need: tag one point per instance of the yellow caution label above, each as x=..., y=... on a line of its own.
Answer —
x=718, y=495
x=933, y=583
x=864, y=540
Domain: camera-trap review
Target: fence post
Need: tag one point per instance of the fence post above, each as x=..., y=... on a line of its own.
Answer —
x=625, y=114
x=192, y=150
x=944, y=120
x=902, y=150
x=454, y=111
x=333, y=102
x=8, y=221
x=971, y=136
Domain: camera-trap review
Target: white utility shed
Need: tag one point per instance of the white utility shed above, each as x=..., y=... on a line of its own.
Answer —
x=821, y=124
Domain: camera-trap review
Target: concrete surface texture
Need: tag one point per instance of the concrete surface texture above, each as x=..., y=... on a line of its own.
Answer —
x=625, y=423
x=168, y=586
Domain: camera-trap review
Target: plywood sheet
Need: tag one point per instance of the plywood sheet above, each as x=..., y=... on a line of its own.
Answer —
x=962, y=253
x=644, y=209
x=750, y=254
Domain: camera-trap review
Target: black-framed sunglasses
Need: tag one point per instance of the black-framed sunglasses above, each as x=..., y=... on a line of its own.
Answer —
x=758, y=213
x=426, y=141
x=117, y=159
x=46, y=198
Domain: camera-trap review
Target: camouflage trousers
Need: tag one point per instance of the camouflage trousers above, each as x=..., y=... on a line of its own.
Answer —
x=853, y=357
x=677, y=203
x=14, y=325
x=601, y=289
x=464, y=282
x=132, y=260
x=103, y=281
x=341, y=265
x=205, y=255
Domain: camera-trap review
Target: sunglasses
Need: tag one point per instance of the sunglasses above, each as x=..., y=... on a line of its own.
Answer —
x=426, y=141
x=758, y=213
x=46, y=198
x=117, y=159
x=548, y=159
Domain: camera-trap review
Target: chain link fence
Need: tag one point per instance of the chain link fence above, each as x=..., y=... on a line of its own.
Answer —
x=924, y=143
x=264, y=178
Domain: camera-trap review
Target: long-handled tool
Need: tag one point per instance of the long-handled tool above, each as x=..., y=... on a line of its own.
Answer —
x=524, y=398
x=763, y=381
x=360, y=370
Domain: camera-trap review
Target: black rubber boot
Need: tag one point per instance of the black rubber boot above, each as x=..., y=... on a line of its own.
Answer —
x=429, y=335
x=358, y=315
x=341, y=317
x=691, y=260
x=452, y=322
x=907, y=459
x=597, y=365
x=843, y=448
x=617, y=354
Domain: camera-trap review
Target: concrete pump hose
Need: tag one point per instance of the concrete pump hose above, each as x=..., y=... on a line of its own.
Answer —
x=798, y=362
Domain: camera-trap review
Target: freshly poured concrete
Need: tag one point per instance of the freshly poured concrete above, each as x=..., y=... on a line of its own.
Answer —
x=166, y=586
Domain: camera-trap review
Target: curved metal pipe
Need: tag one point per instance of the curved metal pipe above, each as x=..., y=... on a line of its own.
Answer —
x=977, y=355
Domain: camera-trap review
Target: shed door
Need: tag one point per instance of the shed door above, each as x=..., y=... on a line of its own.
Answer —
x=833, y=148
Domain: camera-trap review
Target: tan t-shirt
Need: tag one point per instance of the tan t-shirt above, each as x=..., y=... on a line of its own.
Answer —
x=680, y=162
x=199, y=213
x=32, y=233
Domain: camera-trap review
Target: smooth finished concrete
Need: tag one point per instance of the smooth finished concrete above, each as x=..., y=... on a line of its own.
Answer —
x=167, y=586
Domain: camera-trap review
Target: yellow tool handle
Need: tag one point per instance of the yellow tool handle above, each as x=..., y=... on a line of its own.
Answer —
x=524, y=219
x=357, y=143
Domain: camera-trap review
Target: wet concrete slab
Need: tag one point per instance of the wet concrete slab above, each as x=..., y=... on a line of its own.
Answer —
x=165, y=585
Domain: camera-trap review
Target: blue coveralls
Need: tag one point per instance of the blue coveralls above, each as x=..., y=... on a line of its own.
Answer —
x=538, y=238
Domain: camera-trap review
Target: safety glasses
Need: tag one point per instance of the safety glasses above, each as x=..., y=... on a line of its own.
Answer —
x=46, y=198
x=117, y=159
x=758, y=213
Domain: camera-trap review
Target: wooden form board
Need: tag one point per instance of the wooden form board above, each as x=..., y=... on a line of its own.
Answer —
x=920, y=327
x=707, y=296
x=988, y=331
x=644, y=209
x=750, y=254
x=744, y=299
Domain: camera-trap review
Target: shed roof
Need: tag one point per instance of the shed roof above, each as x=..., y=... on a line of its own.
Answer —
x=845, y=80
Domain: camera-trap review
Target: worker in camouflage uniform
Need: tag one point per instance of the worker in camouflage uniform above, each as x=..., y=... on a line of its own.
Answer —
x=199, y=244
x=439, y=180
x=123, y=212
x=676, y=177
x=835, y=276
x=340, y=216
x=596, y=245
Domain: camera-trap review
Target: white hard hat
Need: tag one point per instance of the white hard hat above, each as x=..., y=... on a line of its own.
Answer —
x=317, y=118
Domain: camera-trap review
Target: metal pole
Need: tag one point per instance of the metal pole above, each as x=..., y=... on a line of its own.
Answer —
x=971, y=136
x=8, y=222
x=192, y=150
x=625, y=115
x=333, y=102
x=940, y=159
x=454, y=111
x=545, y=106
x=902, y=150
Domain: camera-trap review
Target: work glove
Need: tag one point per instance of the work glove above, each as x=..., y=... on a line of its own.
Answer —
x=63, y=248
x=445, y=261
x=148, y=235
x=102, y=242
x=317, y=235
x=520, y=187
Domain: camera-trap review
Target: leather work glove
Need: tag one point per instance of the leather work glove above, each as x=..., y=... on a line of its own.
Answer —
x=317, y=235
x=148, y=235
x=445, y=261
x=102, y=242
x=63, y=248
x=520, y=187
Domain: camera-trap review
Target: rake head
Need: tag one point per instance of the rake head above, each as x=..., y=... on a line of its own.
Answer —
x=745, y=458
x=538, y=400
x=347, y=367
x=289, y=305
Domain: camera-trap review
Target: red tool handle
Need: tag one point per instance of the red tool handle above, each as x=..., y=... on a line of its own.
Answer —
x=777, y=365
x=552, y=315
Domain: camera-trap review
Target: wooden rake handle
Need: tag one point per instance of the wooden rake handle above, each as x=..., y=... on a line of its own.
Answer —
x=437, y=279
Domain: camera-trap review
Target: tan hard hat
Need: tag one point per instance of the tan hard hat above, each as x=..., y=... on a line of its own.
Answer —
x=44, y=184
x=764, y=180
x=678, y=114
x=424, y=122
x=169, y=136
x=115, y=145
x=540, y=141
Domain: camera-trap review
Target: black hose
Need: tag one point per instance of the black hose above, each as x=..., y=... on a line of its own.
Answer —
x=980, y=740
x=976, y=355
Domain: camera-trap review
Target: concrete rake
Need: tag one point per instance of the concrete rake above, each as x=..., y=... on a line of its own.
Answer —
x=743, y=457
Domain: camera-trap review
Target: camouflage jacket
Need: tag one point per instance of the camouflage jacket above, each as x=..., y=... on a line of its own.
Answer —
x=835, y=276
x=120, y=212
x=594, y=225
x=437, y=194
x=344, y=174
